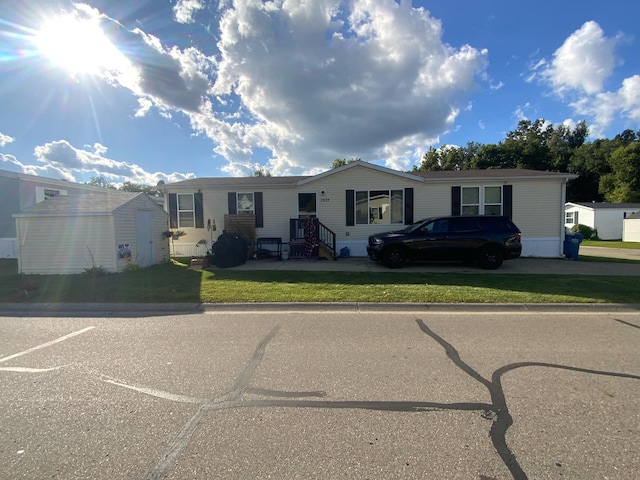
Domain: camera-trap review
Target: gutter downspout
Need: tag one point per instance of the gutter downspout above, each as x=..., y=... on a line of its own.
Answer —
x=563, y=195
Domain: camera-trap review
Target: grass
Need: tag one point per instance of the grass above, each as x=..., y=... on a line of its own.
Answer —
x=174, y=282
x=611, y=244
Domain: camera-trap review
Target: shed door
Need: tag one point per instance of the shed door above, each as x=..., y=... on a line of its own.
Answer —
x=143, y=238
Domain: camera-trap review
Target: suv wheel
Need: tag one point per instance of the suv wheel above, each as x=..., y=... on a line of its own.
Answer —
x=490, y=257
x=394, y=257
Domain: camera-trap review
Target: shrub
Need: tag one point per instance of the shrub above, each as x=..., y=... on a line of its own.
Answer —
x=587, y=232
x=96, y=271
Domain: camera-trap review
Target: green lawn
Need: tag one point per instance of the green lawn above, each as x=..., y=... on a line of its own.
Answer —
x=611, y=244
x=175, y=282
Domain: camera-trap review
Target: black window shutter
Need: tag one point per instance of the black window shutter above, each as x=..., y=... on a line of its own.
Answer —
x=259, y=210
x=350, y=208
x=507, y=200
x=233, y=205
x=173, y=210
x=198, y=209
x=456, y=201
x=408, y=206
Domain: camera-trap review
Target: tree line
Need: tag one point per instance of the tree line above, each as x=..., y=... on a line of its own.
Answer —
x=101, y=181
x=609, y=170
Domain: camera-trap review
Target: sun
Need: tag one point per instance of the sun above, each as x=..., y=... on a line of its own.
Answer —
x=78, y=45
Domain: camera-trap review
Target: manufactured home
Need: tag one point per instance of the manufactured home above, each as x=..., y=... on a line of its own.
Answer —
x=604, y=217
x=359, y=199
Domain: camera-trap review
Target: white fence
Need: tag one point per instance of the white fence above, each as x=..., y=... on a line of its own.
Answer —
x=183, y=249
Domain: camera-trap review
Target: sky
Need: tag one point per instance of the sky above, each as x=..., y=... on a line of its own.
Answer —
x=167, y=90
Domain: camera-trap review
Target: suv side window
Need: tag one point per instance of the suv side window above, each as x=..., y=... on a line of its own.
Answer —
x=462, y=224
x=440, y=225
x=498, y=224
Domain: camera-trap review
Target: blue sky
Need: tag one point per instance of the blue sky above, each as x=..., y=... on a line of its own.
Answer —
x=150, y=90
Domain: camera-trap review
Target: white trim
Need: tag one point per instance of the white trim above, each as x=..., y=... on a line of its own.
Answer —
x=360, y=163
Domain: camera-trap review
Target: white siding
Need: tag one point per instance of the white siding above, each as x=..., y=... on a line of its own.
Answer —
x=64, y=245
x=608, y=222
x=332, y=211
x=73, y=244
x=125, y=230
x=631, y=230
x=538, y=208
x=214, y=205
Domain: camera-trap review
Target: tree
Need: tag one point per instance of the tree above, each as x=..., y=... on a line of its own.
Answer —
x=261, y=172
x=591, y=162
x=135, y=187
x=339, y=162
x=101, y=181
x=623, y=183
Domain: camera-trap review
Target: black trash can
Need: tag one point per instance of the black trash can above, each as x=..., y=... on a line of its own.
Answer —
x=572, y=243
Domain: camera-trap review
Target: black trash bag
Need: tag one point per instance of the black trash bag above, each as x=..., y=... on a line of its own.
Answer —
x=230, y=250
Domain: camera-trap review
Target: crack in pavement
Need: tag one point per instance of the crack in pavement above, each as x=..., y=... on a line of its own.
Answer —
x=497, y=411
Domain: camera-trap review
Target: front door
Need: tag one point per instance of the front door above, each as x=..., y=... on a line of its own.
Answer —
x=143, y=238
x=307, y=205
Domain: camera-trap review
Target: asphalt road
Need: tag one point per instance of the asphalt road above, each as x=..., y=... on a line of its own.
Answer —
x=324, y=394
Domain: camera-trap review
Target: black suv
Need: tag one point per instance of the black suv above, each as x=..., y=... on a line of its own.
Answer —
x=485, y=239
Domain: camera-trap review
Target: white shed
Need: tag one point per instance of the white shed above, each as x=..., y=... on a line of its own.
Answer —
x=604, y=217
x=70, y=234
x=631, y=228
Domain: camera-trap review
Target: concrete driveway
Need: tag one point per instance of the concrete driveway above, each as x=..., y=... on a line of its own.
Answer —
x=518, y=266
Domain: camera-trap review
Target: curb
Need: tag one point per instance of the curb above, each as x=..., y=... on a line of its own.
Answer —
x=135, y=309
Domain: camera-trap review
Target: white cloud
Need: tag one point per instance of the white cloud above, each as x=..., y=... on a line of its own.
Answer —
x=11, y=163
x=185, y=9
x=5, y=139
x=604, y=107
x=61, y=159
x=579, y=70
x=584, y=61
x=329, y=79
x=308, y=81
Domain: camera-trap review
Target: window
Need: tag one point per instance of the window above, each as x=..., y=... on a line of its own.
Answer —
x=481, y=201
x=392, y=207
x=246, y=205
x=493, y=200
x=186, y=210
x=571, y=218
x=379, y=207
x=43, y=193
x=48, y=193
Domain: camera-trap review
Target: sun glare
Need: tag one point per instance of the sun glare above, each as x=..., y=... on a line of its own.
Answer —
x=78, y=46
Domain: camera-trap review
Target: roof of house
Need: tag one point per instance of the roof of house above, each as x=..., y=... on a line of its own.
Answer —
x=634, y=215
x=430, y=176
x=605, y=205
x=73, y=205
x=49, y=181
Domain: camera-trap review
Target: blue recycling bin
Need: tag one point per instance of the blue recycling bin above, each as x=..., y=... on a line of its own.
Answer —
x=572, y=243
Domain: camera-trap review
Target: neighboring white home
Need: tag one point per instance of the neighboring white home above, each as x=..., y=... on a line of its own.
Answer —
x=71, y=234
x=607, y=218
x=359, y=199
x=19, y=191
x=631, y=228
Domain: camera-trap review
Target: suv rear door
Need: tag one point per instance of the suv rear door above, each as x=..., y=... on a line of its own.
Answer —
x=465, y=238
